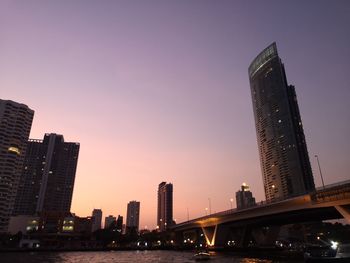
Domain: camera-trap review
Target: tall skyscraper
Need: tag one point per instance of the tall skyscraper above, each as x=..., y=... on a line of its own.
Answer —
x=96, y=219
x=283, y=154
x=133, y=216
x=48, y=176
x=15, y=124
x=165, y=206
x=244, y=197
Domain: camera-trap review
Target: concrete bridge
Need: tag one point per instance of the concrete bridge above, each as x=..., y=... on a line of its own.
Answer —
x=262, y=223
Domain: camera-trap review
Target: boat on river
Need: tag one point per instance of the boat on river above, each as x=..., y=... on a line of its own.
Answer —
x=332, y=254
x=201, y=256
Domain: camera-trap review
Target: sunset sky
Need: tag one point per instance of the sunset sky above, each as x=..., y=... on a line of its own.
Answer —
x=159, y=91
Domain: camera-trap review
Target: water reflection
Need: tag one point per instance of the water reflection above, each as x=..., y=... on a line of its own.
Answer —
x=254, y=260
x=122, y=257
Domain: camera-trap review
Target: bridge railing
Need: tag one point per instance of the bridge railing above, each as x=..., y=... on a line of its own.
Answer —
x=334, y=192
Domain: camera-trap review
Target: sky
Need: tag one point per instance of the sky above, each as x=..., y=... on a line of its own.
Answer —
x=159, y=91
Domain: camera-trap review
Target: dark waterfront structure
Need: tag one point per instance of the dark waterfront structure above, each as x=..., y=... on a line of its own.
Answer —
x=132, y=216
x=244, y=197
x=283, y=154
x=96, y=219
x=119, y=225
x=15, y=124
x=165, y=206
x=48, y=176
x=110, y=221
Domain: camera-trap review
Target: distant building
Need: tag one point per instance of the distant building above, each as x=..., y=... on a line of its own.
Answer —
x=133, y=216
x=244, y=197
x=119, y=225
x=283, y=153
x=15, y=124
x=24, y=224
x=96, y=219
x=48, y=176
x=52, y=221
x=109, y=220
x=165, y=206
x=77, y=225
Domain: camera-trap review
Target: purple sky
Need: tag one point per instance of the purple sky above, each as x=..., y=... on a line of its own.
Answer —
x=159, y=91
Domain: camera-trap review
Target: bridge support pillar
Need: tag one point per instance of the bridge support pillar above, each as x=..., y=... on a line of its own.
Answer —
x=344, y=210
x=266, y=236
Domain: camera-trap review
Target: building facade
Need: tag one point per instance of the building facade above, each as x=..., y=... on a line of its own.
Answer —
x=283, y=153
x=96, y=219
x=244, y=197
x=15, y=124
x=133, y=216
x=48, y=176
x=165, y=206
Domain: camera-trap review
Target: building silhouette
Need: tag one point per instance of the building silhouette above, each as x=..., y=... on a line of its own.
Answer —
x=119, y=225
x=244, y=197
x=133, y=216
x=165, y=206
x=48, y=176
x=15, y=124
x=283, y=153
x=110, y=221
x=96, y=219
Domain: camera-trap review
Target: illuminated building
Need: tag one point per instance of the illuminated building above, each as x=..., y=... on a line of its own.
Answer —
x=283, y=154
x=23, y=223
x=133, y=216
x=15, y=124
x=97, y=219
x=77, y=225
x=48, y=176
x=244, y=197
x=165, y=206
x=68, y=224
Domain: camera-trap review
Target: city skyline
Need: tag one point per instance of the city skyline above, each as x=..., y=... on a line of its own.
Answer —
x=163, y=94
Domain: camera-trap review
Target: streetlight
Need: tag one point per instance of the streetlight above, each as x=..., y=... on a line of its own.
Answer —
x=209, y=206
x=206, y=211
x=319, y=168
x=231, y=201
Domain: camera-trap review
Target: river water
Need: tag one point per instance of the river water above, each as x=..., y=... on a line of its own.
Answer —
x=160, y=256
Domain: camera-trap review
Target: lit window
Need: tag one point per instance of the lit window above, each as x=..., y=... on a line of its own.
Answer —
x=14, y=150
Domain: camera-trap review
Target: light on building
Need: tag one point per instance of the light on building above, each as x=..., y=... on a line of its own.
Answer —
x=14, y=150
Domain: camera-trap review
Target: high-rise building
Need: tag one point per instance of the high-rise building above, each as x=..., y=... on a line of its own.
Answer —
x=244, y=197
x=283, y=154
x=48, y=176
x=15, y=124
x=119, y=224
x=109, y=220
x=165, y=206
x=133, y=216
x=96, y=219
